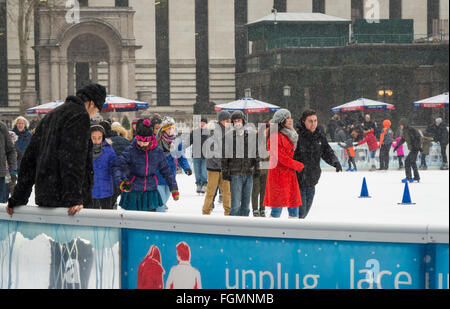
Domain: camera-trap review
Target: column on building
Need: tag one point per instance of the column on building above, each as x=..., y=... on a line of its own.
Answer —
x=417, y=10
x=294, y=6
x=341, y=8
x=144, y=31
x=221, y=51
x=182, y=54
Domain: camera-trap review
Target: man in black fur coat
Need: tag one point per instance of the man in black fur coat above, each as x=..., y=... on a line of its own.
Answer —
x=58, y=160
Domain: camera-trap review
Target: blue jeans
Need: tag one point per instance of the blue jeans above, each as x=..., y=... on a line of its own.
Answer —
x=200, y=171
x=165, y=194
x=241, y=193
x=276, y=211
x=4, y=189
x=307, y=194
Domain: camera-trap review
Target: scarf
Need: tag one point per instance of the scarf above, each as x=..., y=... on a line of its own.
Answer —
x=291, y=134
x=97, y=151
x=166, y=142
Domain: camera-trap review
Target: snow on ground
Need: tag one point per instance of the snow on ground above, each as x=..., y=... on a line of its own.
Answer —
x=337, y=198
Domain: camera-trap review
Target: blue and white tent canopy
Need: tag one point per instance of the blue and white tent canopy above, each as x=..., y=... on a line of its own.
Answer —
x=247, y=105
x=362, y=104
x=436, y=101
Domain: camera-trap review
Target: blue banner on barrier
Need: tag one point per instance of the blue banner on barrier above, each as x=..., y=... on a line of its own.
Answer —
x=154, y=259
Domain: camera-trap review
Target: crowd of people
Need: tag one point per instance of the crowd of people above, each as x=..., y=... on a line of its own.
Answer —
x=75, y=162
x=349, y=133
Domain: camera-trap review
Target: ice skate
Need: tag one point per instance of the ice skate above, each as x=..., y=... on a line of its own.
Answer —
x=444, y=167
x=256, y=213
x=199, y=188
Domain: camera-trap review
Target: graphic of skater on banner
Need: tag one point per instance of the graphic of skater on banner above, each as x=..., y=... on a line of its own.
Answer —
x=181, y=276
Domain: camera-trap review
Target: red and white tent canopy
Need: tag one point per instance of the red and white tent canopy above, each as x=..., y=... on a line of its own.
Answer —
x=247, y=105
x=362, y=104
x=436, y=101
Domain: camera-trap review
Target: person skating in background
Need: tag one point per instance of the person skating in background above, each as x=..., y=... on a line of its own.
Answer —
x=282, y=190
x=399, y=151
x=260, y=179
x=332, y=126
x=118, y=143
x=8, y=162
x=20, y=128
x=441, y=137
x=132, y=131
x=345, y=141
x=143, y=159
x=58, y=160
x=215, y=148
x=312, y=147
x=197, y=139
x=372, y=143
x=413, y=140
x=368, y=124
x=173, y=152
x=386, y=139
x=103, y=157
x=240, y=164
x=427, y=139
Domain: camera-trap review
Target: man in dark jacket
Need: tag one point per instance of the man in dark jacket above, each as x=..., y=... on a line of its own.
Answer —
x=312, y=146
x=240, y=164
x=413, y=140
x=58, y=160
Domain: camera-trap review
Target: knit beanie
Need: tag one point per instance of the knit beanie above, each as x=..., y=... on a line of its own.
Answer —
x=223, y=115
x=238, y=115
x=144, y=128
x=93, y=92
x=438, y=121
x=281, y=115
x=107, y=127
x=167, y=123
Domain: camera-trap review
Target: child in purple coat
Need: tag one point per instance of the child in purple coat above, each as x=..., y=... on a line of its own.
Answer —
x=400, y=153
x=143, y=159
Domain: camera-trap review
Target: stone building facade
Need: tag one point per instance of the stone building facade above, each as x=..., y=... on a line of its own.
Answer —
x=174, y=53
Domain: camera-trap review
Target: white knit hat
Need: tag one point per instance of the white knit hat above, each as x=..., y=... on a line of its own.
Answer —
x=438, y=121
x=281, y=115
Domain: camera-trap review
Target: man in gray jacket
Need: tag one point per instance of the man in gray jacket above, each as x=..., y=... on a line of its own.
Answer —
x=8, y=155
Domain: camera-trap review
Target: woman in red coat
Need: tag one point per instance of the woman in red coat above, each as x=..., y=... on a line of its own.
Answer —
x=150, y=271
x=282, y=188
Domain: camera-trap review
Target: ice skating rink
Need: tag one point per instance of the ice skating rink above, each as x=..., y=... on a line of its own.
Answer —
x=337, y=198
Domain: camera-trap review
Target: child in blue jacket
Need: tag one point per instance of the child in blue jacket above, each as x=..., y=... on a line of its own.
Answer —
x=173, y=152
x=103, y=159
x=144, y=159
